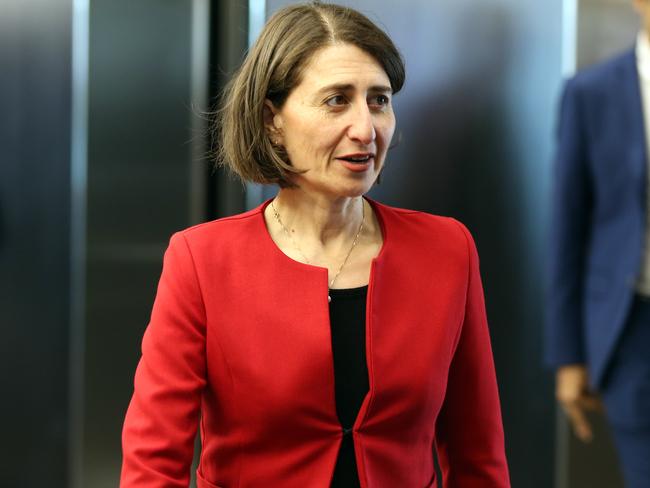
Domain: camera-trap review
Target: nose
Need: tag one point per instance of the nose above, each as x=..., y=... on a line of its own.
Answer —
x=362, y=127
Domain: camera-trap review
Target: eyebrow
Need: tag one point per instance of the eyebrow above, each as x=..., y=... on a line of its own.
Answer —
x=349, y=86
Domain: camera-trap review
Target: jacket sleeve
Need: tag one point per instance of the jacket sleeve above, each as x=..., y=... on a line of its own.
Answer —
x=161, y=421
x=569, y=227
x=469, y=432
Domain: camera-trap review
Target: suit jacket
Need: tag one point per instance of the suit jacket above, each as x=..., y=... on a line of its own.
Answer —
x=599, y=214
x=240, y=333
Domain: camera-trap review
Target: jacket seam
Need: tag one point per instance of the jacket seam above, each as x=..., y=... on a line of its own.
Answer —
x=232, y=381
x=467, y=287
x=198, y=283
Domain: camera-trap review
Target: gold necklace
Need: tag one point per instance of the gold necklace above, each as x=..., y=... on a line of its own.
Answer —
x=295, y=244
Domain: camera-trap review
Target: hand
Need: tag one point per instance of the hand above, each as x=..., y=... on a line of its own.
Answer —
x=576, y=398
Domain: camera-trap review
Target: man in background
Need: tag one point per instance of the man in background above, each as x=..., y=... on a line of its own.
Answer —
x=598, y=327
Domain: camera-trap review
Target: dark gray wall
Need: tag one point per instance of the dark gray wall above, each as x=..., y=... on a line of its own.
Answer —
x=477, y=116
x=605, y=27
x=35, y=95
x=228, y=43
x=139, y=160
x=89, y=195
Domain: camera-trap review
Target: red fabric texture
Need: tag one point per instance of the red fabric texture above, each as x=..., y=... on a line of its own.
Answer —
x=239, y=343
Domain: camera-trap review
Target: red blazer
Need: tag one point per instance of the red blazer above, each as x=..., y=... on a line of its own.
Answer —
x=240, y=337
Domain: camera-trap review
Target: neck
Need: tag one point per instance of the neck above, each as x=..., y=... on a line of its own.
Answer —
x=318, y=219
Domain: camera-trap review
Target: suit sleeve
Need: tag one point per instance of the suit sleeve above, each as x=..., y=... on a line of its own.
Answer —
x=469, y=431
x=162, y=417
x=569, y=227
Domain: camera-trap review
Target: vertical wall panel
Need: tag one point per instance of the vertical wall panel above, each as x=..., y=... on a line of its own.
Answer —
x=605, y=27
x=228, y=42
x=35, y=96
x=148, y=70
x=139, y=179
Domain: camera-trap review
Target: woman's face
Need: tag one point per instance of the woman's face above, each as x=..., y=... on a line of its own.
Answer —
x=337, y=123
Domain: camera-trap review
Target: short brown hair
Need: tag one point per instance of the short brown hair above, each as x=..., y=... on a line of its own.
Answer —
x=273, y=67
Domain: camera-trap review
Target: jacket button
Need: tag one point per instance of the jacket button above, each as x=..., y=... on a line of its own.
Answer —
x=347, y=430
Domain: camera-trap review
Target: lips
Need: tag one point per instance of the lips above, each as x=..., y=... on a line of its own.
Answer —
x=357, y=158
x=357, y=162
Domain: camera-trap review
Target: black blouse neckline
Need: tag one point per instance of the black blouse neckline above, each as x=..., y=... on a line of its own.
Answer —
x=348, y=292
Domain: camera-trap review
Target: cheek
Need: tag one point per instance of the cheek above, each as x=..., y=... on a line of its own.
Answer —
x=308, y=144
x=317, y=139
x=386, y=130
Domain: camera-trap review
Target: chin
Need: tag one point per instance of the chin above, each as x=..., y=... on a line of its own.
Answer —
x=341, y=188
x=356, y=190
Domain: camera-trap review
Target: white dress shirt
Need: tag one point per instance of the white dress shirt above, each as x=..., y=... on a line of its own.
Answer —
x=643, y=67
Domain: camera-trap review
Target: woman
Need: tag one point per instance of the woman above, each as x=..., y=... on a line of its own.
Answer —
x=323, y=338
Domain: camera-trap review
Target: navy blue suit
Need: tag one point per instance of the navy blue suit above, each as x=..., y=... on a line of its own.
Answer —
x=597, y=231
x=598, y=216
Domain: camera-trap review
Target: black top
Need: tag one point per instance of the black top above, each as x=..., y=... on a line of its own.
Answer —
x=348, y=325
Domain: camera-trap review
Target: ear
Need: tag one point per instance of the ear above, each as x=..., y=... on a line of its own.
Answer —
x=272, y=122
x=640, y=6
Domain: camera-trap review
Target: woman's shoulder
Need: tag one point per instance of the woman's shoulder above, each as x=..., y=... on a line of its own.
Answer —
x=433, y=241
x=225, y=230
x=419, y=221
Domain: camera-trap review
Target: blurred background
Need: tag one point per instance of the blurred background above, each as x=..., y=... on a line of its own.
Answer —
x=103, y=143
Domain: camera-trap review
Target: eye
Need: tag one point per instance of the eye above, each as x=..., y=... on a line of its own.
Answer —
x=380, y=100
x=336, y=100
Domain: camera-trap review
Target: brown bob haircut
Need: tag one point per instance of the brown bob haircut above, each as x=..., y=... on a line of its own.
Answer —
x=273, y=67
